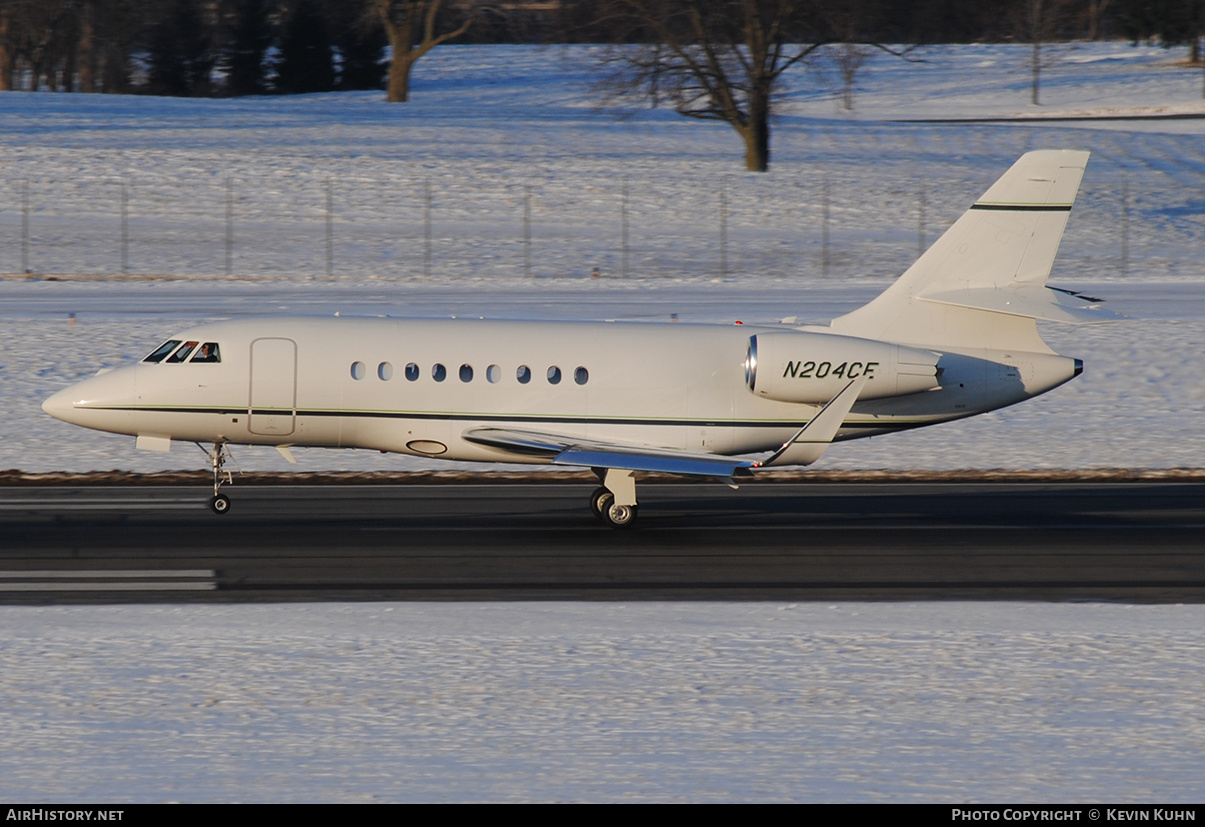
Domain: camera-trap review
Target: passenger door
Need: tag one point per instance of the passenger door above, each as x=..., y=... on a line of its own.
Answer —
x=272, y=406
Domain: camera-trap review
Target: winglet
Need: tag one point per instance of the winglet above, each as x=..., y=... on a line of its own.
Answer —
x=811, y=441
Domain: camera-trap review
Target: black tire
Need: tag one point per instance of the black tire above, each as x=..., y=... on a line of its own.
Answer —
x=220, y=504
x=597, y=500
x=620, y=516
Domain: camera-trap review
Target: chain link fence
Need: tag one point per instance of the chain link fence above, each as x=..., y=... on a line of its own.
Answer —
x=326, y=227
x=820, y=223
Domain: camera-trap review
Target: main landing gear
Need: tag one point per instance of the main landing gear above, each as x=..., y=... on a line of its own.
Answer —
x=615, y=502
x=220, y=503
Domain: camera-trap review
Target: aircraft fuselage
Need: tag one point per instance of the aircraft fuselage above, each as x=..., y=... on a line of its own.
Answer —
x=415, y=386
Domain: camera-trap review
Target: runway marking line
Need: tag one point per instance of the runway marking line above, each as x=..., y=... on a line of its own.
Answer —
x=109, y=580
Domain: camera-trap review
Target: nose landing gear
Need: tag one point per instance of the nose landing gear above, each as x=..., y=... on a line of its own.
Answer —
x=220, y=503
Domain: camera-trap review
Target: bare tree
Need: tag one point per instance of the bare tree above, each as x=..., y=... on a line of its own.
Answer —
x=1172, y=22
x=720, y=60
x=37, y=37
x=411, y=25
x=848, y=20
x=1039, y=23
x=847, y=60
x=69, y=44
x=85, y=47
x=117, y=24
x=8, y=48
x=1095, y=9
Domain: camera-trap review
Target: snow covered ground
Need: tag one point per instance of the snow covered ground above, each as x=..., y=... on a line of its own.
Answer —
x=950, y=702
x=955, y=702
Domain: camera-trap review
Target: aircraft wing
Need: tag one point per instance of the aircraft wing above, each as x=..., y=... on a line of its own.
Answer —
x=568, y=450
x=804, y=448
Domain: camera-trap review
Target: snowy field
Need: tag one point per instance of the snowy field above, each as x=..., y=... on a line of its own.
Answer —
x=952, y=702
x=877, y=702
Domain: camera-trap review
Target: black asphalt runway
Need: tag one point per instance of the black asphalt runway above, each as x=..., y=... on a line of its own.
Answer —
x=505, y=541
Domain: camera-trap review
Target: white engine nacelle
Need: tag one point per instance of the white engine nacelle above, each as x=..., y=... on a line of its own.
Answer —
x=813, y=367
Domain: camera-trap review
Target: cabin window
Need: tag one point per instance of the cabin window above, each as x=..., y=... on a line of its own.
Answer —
x=554, y=375
x=357, y=370
x=439, y=372
x=385, y=371
x=523, y=374
x=493, y=374
x=412, y=372
x=162, y=351
x=208, y=353
x=466, y=373
x=182, y=354
x=581, y=375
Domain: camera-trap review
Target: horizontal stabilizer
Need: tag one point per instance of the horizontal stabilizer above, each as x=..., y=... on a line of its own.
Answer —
x=1030, y=301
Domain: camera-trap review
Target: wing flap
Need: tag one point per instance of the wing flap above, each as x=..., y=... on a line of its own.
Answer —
x=669, y=462
x=567, y=450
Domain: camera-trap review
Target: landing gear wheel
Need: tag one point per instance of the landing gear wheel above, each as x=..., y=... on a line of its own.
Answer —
x=616, y=485
x=620, y=516
x=600, y=501
x=220, y=504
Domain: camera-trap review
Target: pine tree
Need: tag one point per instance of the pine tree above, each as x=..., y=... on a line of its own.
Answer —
x=252, y=35
x=363, y=57
x=306, y=61
x=180, y=57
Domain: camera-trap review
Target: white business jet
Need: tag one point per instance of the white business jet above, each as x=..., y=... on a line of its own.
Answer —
x=955, y=336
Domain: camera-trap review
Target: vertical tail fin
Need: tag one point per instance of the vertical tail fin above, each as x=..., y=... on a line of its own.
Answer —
x=982, y=284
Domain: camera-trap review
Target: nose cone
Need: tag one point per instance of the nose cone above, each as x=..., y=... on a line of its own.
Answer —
x=101, y=402
x=60, y=405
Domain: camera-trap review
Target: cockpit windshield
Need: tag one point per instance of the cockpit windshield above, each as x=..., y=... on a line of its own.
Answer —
x=207, y=352
x=182, y=354
x=162, y=351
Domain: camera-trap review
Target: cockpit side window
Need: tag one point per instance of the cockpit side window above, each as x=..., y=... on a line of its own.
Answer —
x=182, y=354
x=208, y=353
x=162, y=351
